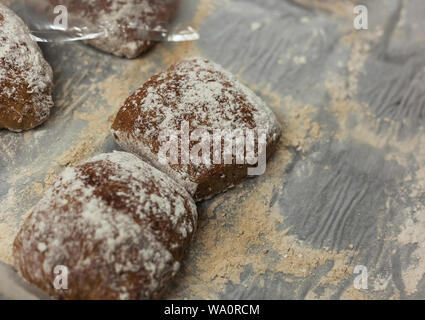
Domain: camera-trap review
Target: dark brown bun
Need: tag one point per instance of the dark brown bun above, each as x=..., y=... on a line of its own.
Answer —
x=118, y=224
x=203, y=94
x=125, y=22
x=25, y=77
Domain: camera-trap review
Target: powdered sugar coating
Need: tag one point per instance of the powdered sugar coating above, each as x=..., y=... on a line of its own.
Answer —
x=117, y=223
x=196, y=91
x=123, y=26
x=25, y=77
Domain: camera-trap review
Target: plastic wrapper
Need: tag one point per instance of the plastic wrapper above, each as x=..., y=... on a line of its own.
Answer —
x=147, y=20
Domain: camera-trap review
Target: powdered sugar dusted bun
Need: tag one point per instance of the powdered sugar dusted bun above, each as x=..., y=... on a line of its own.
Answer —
x=118, y=224
x=204, y=95
x=125, y=21
x=25, y=77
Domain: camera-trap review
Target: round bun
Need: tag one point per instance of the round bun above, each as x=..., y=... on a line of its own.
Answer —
x=126, y=22
x=25, y=77
x=119, y=225
x=201, y=94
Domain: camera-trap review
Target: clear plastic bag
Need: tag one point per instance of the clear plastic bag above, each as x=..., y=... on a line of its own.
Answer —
x=147, y=20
